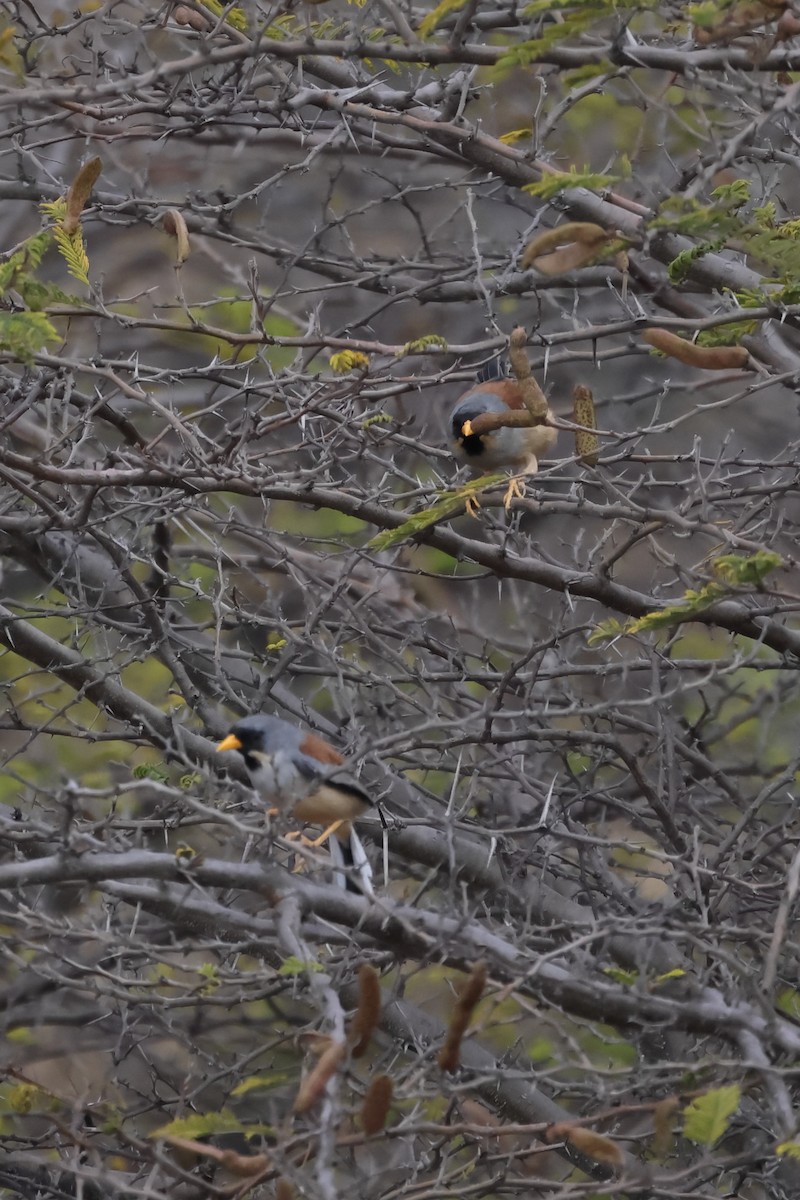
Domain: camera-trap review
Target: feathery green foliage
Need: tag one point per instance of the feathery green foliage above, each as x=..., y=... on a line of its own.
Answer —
x=733, y=571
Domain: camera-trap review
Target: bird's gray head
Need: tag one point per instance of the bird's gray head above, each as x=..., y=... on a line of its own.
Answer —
x=261, y=734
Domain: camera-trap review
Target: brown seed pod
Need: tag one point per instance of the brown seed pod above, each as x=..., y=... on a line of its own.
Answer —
x=195, y=20
x=595, y=1145
x=174, y=224
x=375, y=1108
x=582, y=233
x=313, y=1085
x=368, y=1012
x=79, y=193
x=470, y=994
x=587, y=446
x=532, y=395
x=707, y=358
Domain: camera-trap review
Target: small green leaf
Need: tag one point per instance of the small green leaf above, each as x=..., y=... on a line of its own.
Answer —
x=235, y=17
x=150, y=771
x=765, y=214
x=707, y=1118
x=606, y=630
x=24, y=1097
x=675, y=973
x=733, y=194
x=25, y=333
x=299, y=966
x=449, y=503
x=421, y=344
x=269, y=1080
x=788, y=1150
x=747, y=571
x=619, y=975
x=202, y=1124
x=348, y=360
x=556, y=182
x=515, y=135
x=726, y=335
x=443, y=9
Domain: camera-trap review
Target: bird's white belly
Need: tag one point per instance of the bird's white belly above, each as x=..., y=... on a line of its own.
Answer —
x=277, y=780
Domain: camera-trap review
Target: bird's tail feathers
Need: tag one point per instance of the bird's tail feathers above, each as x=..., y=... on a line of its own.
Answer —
x=490, y=370
x=351, y=865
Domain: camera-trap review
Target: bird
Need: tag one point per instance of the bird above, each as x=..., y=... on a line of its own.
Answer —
x=516, y=448
x=302, y=775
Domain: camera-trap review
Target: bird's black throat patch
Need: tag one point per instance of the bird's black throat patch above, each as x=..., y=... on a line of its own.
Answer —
x=473, y=444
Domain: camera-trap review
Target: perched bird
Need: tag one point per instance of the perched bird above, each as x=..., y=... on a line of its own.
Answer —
x=516, y=448
x=305, y=777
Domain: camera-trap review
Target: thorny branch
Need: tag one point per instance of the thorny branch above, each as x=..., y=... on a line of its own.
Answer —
x=225, y=487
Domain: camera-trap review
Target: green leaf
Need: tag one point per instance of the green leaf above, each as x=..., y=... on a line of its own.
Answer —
x=348, y=360
x=746, y=571
x=443, y=8
x=210, y=972
x=150, y=771
x=579, y=75
x=765, y=214
x=270, y=1079
x=299, y=966
x=726, y=335
x=620, y=975
x=449, y=503
x=38, y=295
x=27, y=1097
x=735, y=570
x=675, y=973
x=70, y=245
x=516, y=135
x=25, y=333
x=606, y=630
x=202, y=1124
x=788, y=1150
x=788, y=1001
x=560, y=181
x=235, y=17
x=707, y=1118
x=733, y=194
x=19, y=264
x=576, y=16
x=681, y=265
x=706, y=14
x=674, y=614
x=421, y=344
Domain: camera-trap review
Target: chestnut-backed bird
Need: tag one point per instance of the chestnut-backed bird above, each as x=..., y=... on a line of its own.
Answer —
x=303, y=776
x=518, y=448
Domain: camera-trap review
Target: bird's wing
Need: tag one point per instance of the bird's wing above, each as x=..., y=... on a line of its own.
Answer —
x=334, y=774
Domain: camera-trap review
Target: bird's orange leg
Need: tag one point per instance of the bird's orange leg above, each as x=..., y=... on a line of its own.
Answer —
x=516, y=489
x=313, y=843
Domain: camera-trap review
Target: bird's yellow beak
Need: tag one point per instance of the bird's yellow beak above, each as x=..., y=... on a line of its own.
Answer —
x=466, y=429
x=231, y=742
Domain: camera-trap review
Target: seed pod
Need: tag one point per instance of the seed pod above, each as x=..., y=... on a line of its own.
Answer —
x=707, y=358
x=587, y=446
